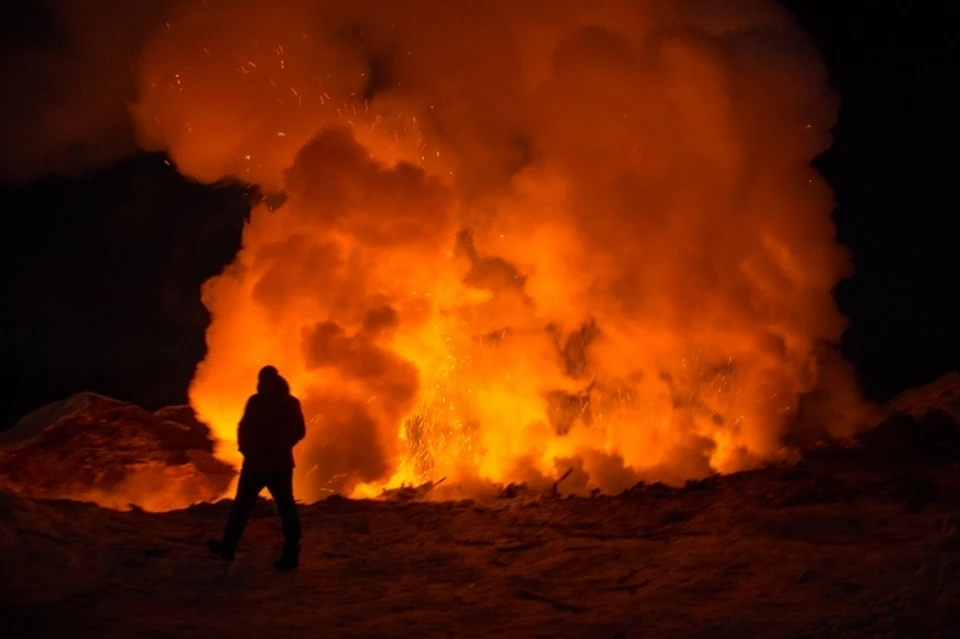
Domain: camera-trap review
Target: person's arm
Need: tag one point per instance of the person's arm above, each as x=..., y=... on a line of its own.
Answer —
x=243, y=429
x=299, y=424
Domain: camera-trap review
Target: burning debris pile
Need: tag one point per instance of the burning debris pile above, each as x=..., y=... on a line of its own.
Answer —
x=92, y=448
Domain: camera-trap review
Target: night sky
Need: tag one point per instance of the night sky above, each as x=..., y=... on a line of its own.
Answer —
x=102, y=271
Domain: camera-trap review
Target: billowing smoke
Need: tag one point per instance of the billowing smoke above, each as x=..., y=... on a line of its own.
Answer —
x=517, y=237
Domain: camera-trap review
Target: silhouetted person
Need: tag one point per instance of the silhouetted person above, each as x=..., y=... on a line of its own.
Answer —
x=271, y=426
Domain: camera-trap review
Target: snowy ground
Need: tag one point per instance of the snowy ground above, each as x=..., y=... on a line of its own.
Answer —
x=841, y=546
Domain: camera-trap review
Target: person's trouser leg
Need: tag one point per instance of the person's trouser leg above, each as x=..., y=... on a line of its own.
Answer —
x=248, y=488
x=280, y=485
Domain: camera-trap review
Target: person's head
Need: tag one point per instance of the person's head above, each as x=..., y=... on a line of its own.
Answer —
x=270, y=381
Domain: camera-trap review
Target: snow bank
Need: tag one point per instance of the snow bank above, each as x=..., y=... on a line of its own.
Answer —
x=97, y=449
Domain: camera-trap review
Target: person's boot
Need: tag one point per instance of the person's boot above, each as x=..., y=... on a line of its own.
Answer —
x=220, y=549
x=290, y=558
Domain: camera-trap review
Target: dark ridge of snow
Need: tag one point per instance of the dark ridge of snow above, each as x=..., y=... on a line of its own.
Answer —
x=33, y=423
x=943, y=394
x=115, y=454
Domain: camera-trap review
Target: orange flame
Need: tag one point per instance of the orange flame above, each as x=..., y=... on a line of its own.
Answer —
x=516, y=239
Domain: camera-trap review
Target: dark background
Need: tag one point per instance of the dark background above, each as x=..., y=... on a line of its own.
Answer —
x=101, y=274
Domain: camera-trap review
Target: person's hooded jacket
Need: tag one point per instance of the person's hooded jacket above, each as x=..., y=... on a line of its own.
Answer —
x=272, y=424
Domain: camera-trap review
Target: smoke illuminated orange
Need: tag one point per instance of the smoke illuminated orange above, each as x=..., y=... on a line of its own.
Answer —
x=517, y=237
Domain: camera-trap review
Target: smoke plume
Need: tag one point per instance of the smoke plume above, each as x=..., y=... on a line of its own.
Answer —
x=517, y=237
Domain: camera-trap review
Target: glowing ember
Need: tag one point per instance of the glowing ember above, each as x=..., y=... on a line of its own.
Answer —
x=517, y=239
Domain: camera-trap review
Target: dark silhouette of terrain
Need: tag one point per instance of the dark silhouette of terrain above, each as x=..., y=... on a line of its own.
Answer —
x=859, y=539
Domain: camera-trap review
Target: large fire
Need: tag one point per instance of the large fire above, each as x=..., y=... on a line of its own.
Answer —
x=518, y=237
